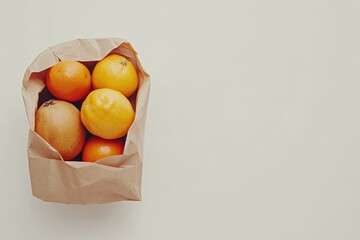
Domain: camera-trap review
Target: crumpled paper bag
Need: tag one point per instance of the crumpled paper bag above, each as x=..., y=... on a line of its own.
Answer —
x=111, y=179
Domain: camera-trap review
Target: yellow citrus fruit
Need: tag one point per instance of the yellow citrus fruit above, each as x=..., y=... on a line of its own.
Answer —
x=115, y=72
x=107, y=113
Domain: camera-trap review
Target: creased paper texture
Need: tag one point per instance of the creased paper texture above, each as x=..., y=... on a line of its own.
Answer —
x=111, y=179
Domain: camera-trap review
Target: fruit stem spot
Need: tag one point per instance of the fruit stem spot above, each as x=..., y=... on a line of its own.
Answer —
x=50, y=102
x=123, y=62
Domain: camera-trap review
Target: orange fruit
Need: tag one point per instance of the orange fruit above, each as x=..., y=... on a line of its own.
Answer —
x=58, y=122
x=69, y=81
x=107, y=113
x=96, y=148
x=115, y=72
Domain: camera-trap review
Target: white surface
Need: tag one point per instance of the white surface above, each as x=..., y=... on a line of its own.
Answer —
x=253, y=129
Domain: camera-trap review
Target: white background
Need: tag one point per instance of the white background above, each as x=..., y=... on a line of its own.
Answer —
x=253, y=128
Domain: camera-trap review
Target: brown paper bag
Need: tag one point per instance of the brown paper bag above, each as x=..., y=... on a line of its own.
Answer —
x=110, y=179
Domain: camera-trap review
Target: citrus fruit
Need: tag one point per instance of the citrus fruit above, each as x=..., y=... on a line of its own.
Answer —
x=115, y=72
x=69, y=80
x=107, y=113
x=96, y=148
x=58, y=122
